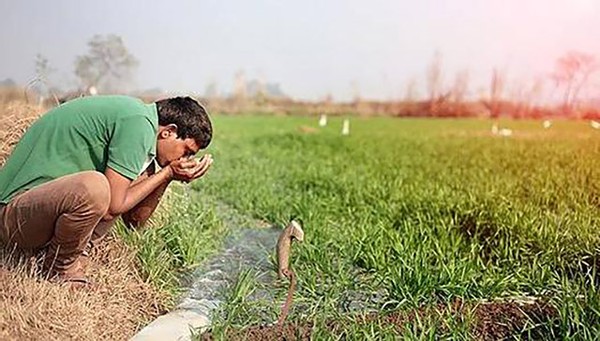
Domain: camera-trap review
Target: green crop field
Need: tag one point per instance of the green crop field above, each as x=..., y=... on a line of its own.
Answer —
x=426, y=219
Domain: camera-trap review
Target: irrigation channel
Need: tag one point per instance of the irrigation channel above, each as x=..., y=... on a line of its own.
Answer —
x=248, y=246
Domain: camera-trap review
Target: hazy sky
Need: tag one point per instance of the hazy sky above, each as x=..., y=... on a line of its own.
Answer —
x=310, y=47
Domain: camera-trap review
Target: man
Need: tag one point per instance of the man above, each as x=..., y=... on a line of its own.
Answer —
x=89, y=161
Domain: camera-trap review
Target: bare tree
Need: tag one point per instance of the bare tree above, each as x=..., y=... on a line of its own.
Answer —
x=411, y=92
x=534, y=94
x=496, y=93
x=461, y=86
x=572, y=73
x=434, y=80
x=527, y=97
x=108, y=65
x=43, y=70
x=42, y=67
x=517, y=95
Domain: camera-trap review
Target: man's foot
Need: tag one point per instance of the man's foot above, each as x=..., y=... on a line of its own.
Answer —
x=74, y=277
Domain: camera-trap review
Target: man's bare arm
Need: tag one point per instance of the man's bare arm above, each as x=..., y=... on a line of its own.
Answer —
x=137, y=216
x=183, y=170
x=125, y=195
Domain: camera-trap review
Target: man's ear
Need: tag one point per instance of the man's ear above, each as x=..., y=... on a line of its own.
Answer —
x=168, y=130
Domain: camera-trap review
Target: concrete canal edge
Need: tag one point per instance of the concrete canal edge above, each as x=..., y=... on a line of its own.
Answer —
x=178, y=325
x=245, y=248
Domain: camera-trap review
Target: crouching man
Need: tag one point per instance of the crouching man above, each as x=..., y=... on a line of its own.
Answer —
x=89, y=161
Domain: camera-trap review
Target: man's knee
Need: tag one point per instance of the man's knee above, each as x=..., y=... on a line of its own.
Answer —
x=95, y=188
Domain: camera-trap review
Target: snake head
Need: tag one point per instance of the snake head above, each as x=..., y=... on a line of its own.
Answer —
x=296, y=232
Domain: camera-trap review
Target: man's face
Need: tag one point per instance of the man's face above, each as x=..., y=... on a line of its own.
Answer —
x=169, y=147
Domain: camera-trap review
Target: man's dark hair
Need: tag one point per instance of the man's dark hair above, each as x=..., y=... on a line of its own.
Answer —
x=190, y=117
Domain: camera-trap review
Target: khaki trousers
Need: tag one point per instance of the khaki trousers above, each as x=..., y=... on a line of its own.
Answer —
x=61, y=215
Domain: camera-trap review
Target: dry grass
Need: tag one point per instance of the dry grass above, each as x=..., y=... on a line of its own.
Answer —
x=16, y=118
x=32, y=308
x=119, y=303
x=14, y=94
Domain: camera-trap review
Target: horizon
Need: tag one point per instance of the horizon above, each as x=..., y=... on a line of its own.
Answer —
x=339, y=48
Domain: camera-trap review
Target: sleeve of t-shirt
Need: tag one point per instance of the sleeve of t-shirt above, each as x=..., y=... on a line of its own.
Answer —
x=130, y=145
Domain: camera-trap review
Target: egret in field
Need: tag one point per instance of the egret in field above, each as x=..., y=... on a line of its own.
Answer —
x=494, y=129
x=323, y=120
x=547, y=124
x=595, y=124
x=505, y=132
x=346, y=127
x=501, y=131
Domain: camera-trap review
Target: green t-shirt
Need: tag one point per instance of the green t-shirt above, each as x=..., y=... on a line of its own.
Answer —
x=88, y=133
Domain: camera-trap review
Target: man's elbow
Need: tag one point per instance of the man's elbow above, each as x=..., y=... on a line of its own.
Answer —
x=113, y=212
x=110, y=215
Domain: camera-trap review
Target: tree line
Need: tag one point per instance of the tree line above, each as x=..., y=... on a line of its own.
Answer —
x=108, y=66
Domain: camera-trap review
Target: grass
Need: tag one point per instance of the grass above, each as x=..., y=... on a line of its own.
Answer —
x=421, y=212
x=185, y=230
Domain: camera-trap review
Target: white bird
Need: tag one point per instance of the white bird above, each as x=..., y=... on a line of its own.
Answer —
x=93, y=91
x=323, y=120
x=495, y=129
x=346, y=127
x=547, y=124
x=595, y=124
x=505, y=132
